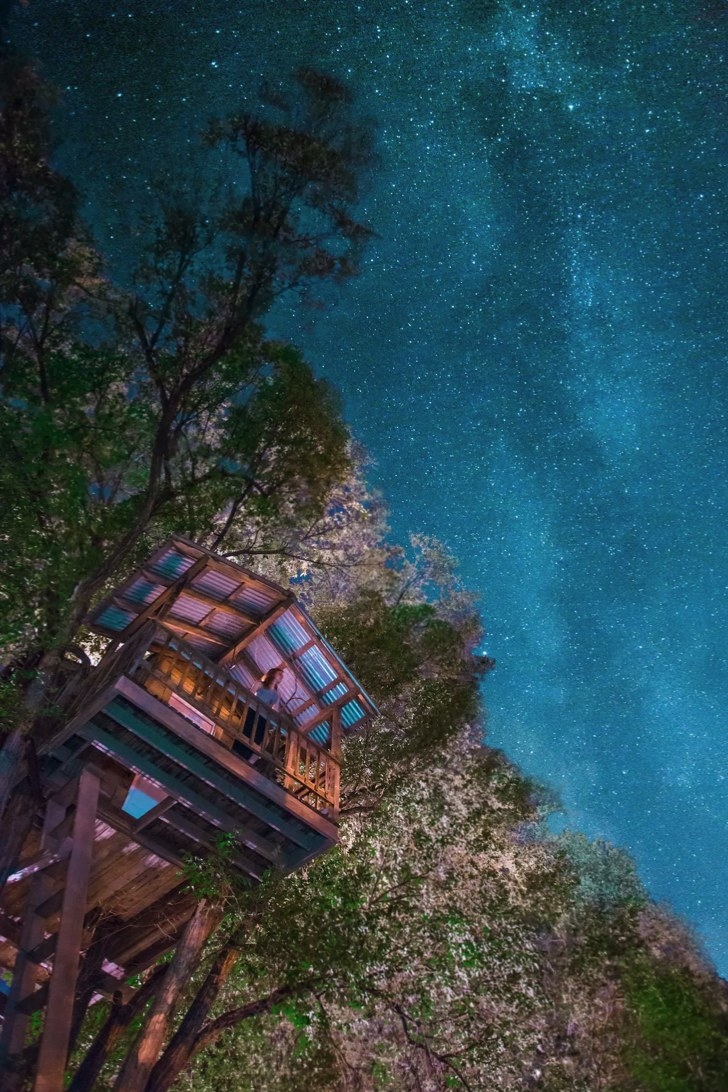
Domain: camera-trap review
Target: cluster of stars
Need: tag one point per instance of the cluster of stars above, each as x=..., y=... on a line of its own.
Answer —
x=546, y=390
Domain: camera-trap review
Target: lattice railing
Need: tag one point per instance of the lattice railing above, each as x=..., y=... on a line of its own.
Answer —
x=216, y=703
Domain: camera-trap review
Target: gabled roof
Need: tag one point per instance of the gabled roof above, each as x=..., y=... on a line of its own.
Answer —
x=241, y=620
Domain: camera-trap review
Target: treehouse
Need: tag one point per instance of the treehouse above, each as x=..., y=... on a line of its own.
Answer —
x=171, y=743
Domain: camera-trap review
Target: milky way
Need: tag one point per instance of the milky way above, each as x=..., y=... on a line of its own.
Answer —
x=546, y=388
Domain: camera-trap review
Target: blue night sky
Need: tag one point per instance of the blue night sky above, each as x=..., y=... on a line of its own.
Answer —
x=534, y=353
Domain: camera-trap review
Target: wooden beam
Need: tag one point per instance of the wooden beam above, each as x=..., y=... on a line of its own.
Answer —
x=33, y=931
x=86, y=713
x=41, y=861
x=223, y=605
x=34, y=1002
x=152, y=608
x=201, y=597
x=260, y=627
x=326, y=713
x=178, y=822
x=179, y=789
x=180, y=626
x=43, y=951
x=10, y=930
x=59, y=1013
x=153, y=814
x=158, y=922
x=242, y=771
x=124, y=824
x=334, y=662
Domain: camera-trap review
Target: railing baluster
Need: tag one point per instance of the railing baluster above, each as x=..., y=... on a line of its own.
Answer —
x=308, y=768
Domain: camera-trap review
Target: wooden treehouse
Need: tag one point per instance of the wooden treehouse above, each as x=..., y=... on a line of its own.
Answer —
x=168, y=747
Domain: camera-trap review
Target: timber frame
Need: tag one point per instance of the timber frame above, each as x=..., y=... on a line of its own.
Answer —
x=164, y=748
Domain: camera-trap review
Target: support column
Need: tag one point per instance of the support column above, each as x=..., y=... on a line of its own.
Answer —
x=335, y=770
x=59, y=1012
x=25, y=973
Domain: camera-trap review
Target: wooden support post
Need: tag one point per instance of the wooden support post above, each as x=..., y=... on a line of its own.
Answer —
x=25, y=974
x=334, y=768
x=59, y=1013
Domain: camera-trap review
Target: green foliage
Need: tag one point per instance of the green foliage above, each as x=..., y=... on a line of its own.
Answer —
x=405, y=652
x=214, y=876
x=127, y=415
x=446, y=942
x=678, y=1039
x=606, y=876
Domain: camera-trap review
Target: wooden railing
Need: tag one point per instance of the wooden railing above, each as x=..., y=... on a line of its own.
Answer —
x=167, y=666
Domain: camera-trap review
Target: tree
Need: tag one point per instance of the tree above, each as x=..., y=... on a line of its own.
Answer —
x=448, y=941
x=129, y=412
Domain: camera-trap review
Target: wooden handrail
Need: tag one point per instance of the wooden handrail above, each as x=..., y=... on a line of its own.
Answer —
x=269, y=736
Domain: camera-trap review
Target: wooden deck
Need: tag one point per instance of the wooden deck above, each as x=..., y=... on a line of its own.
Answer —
x=165, y=749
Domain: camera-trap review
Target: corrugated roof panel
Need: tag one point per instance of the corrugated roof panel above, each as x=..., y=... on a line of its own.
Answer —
x=288, y=634
x=264, y=653
x=335, y=692
x=345, y=670
x=227, y=625
x=295, y=632
x=171, y=564
x=351, y=713
x=256, y=600
x=215, y=584
x=241, y=674
x=188, y=609
x=316, y=669
x=303, y=718
x=144, y=592
x=321, y=734
x=115, y=619
x=301, y=696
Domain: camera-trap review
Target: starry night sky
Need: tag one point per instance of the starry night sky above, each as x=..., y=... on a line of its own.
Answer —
x=534, y=353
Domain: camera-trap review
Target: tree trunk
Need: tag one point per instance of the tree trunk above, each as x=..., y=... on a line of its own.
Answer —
x=139, y=1062
x=19, y=799
x=181, y=1049
x=119, y=1018
x=89, y=973
x=213, y=1031
x=12, y=765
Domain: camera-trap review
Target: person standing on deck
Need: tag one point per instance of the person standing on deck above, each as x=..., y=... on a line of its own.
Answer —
x=268, y=689
x=255, y=720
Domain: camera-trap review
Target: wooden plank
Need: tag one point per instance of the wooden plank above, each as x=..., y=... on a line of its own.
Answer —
x=34, y=1002
x=41, y=861
x=10, y=929
x=179, y=789
x=327, y=713
x=25, y=973
x=240, y=769
x=59, y=1013
x=43, y=951
x=86, y=713
x=178, y=822
x=179, y=626
x=153, y=814
x=125, y=824
x=154, y=927
x=267, y=620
